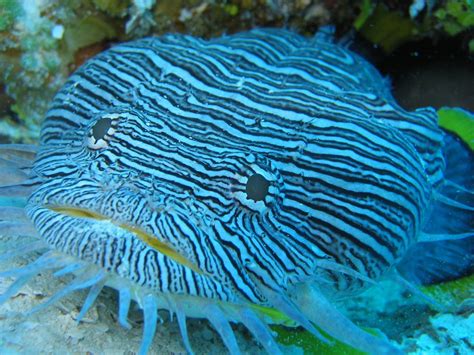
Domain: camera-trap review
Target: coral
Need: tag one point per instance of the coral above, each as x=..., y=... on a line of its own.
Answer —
x=436, y=340
x=141, y=18
x=456, y=16
x=29, y=59
x=36, y=54
x=9, y=10
x=389, y=24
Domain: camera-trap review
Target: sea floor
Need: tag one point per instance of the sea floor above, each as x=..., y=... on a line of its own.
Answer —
x=54, y=330
x=407, y=320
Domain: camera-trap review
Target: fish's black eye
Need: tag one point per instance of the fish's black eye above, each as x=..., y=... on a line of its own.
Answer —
x=102, y=131
x=101, y=127
x=257, y=187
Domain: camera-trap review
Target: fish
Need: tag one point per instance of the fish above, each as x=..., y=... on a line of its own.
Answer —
x=223, y=178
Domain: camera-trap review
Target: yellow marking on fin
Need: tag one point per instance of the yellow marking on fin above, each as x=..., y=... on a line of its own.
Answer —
x=148, y=239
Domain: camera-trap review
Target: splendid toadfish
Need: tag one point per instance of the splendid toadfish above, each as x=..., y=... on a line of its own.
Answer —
x=219, y=178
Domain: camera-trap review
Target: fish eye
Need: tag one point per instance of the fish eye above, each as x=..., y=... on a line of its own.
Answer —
x=101, y=132
x=257, y=187
x=101, y=127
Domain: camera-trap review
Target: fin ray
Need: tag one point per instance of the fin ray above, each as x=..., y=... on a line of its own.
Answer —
x=150, y=313
x=91, y=298
x=259, y=330
x=81, y=282
x=222, y=326
x=125, y=298
x=322, y=313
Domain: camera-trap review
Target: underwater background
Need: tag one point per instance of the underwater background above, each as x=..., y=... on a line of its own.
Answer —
x=426, y=49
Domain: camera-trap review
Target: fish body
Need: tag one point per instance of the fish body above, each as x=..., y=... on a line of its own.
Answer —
x=213, y=177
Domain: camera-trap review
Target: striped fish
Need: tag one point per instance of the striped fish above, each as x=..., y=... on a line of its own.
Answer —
x=219, y=178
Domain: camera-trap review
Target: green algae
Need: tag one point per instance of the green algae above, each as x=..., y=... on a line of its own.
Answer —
x=389, y=28
x=458, y=121
x=453, y=293
x=231, y=9
x=456, y=16
x=366, y=10
x=274, y=316
x=113, y=7
x=385, y=28
x=289, y=334
x=85, y=32
x=310, y=344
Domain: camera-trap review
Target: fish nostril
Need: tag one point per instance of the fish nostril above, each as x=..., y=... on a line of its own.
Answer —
x=257, y=187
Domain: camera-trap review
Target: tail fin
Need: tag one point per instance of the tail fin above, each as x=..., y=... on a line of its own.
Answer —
x=430, y=263
x=450, y=253
x=453, y=212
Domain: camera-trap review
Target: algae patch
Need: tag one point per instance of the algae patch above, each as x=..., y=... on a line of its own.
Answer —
x=458, y=121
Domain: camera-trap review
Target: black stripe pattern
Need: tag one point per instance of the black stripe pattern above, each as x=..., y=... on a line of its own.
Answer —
x=255, y=156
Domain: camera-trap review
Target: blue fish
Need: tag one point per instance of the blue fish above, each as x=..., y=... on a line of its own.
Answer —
x=223, y=178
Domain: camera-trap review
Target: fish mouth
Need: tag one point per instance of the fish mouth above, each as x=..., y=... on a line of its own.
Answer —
x=147, y=238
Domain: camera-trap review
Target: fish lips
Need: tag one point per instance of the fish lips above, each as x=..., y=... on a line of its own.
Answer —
x=125, y=250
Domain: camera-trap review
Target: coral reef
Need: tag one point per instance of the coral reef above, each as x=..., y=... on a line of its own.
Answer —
x=392, y=23
x=38, y=44
x=436, y=340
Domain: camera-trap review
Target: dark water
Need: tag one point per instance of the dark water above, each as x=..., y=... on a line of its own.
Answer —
x=426, y=73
